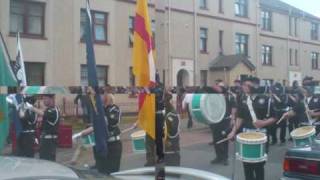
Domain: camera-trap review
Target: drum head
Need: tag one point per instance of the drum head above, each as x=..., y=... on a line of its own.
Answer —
x=251, y=138
x=213, y=107
x=303, y=132
x=138, y=134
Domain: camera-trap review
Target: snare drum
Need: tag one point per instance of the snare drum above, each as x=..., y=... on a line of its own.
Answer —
x=250, y=147
x=138, y=141
x=88, y=141
x=303, y=136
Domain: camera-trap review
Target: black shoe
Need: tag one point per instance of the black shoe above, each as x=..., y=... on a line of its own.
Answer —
x=216, y=161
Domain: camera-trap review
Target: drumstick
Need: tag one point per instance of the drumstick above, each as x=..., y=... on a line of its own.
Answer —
x=128, y=129
x=281, y=119
x=222, y=141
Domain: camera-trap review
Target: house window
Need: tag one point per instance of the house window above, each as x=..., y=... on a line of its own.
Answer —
x=293, y=26
x=102, y=74
x=204, y=77
x=131, y=77
x=203, y=4
x=266, y=20
x=315, y=60
x=153, y=29
x=314, y=31
x=35, y=73
x=221, y=6
x=221, y=41
x=241, y=8
x=296, y=60
x=99, y=23
x=290, y=57
x=131, y=30
x=203, y=39
x=242, y=44
x=27, y=17
x=266, y=55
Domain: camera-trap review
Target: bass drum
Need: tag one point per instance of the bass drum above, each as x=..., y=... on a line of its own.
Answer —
x=208, y=108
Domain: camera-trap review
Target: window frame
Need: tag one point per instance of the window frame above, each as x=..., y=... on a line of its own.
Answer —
x=266, y=20
x=266, y=54
x=26, y=10
x=314, y=31
x=314, y=60
x=43, y=68
x=203, y=6
x=221, y=6
x=131, y=30
x=203, y=40
x=239, y=36
x=242, y=5
x=291, y=57
x=106, y=26
x=106, y=78
x=221, y=36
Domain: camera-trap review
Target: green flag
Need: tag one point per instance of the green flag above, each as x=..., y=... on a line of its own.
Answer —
x=7, y=78
x=4, y=121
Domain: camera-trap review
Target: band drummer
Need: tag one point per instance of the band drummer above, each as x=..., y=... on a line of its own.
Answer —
x=308, y=109
x=283, y=102
x=110, y=163
x=28, y=121
x=220, y=130
x=255, y=114
x=172, y=141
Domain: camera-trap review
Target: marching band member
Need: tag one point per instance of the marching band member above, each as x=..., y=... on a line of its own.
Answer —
x=307, y=109
x=172, y=142
x=221, y=129
x=28, y=121
x=110, y=163
x=255, y=113
x=49, y=131
x=282, y=104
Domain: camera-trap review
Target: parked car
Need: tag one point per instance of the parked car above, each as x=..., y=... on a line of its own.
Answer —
x=302, y=163
x=15, y=168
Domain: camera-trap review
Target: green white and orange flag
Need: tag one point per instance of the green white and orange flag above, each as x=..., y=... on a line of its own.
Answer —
x=144, y=66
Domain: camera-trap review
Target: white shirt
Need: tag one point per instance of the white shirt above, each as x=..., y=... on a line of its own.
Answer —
x=187, y=100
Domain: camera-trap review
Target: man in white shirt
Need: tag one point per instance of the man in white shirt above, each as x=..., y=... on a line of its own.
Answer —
x=187, y=100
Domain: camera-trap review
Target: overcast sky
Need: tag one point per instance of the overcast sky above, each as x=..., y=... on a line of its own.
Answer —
x=311, y=6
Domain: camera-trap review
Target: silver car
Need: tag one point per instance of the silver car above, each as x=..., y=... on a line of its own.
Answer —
x=15, y=168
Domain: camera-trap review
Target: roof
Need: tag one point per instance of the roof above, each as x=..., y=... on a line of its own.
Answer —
x=229, y=62
x=282, y=6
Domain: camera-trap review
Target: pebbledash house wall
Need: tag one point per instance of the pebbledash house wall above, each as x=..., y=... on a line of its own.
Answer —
x=63, y=52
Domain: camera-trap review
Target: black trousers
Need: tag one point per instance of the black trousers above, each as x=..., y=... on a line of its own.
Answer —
x=111, y=162
x=254, y=171
x=25, y=144
x=273, y=131
x=150, y=151
x=48, y=149
x=159, y=136
x=190, y=122
x=220, y=131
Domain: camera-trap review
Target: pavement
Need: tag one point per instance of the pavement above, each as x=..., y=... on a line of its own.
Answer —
x=195, y=153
